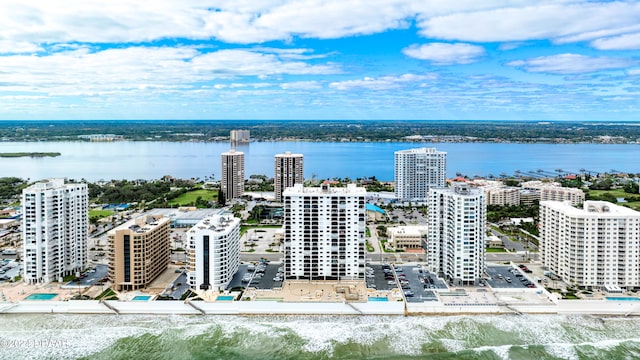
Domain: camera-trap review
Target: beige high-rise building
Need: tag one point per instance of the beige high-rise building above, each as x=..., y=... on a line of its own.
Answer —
x=240, y=136
x=288, y=171
x=232, y=174
x=139, y=251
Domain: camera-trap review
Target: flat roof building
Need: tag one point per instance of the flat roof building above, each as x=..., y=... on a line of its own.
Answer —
x=242, y=136
x=406, y=237
x=55, y=223
x=502, y=196
x=418, y=170
x=232, y=174
x=214, y=252
x=456, y=241
x=324, y=232
x=593, y=246
x=289, y=170
x=139, y=251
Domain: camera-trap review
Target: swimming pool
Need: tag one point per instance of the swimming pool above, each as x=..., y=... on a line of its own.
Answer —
x=622, y=298
x=141, y=298
x=46, y=296
x=225, y=297
x=374, y=299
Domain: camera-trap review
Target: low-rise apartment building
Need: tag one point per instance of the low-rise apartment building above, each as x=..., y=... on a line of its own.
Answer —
x=406, y=237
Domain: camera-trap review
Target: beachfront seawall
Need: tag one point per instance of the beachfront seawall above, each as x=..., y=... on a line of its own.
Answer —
x=563, y=307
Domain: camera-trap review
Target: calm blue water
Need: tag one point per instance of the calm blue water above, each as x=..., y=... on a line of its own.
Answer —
x=141, y=298
x=152, y=160
x=622, y=298
x=373, y=299
x=47, y=296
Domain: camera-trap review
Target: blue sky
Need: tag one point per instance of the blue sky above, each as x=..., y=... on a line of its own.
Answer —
x=314, y=59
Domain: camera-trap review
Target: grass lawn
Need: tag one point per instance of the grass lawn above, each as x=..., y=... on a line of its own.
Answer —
x=619, y=193
x=190, y=197
x=100, y=213
x=635, y=205
x=495, y=250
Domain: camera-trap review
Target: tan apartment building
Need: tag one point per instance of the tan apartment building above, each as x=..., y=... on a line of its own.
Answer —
x=139, y=251
x=502, y=196
x=288, y=172
x=232, y=174
x=242, y=136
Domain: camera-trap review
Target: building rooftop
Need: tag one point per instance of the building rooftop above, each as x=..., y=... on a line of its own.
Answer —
x=592, y=208
x=351, y=189
x=218, y=223
x=423, y=150
x=142, y=224
x=185, y=213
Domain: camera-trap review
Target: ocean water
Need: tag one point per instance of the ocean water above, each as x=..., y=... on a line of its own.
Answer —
x=318, y=337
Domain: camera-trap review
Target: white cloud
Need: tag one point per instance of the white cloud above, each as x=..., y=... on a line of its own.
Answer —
x=445, y=54
x=622, y=42
x=571, y=64
x=150, y=69
x=537, y=21
x=36, y=23
x=18, y=47
x=100, y=21
x=382, y=83
x=302, y=85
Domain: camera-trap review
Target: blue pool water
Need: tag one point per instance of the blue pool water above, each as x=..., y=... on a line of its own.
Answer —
x=378, y=299
x=225, y=297
x=141, y=298
x=622, y=298
x=48, y=296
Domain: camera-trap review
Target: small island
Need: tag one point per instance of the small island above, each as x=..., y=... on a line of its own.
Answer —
x=30, y=154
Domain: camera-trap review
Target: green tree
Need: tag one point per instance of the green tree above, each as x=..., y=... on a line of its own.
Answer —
x=631, y=187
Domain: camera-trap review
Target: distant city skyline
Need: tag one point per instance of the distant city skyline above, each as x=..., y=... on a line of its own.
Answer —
x=314, y=59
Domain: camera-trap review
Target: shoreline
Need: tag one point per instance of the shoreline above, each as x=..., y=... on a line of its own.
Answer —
x=613, y=308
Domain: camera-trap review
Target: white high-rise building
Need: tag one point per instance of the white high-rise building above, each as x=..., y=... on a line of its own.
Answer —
x=324, y=232
x=288, y=171
x=55, y=222
x=418, y=170
x=457, y=222
x=232, y=174
x=214, y=252
x=593, y=246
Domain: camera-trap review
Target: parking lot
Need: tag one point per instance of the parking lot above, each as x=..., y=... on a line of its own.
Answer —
x=260, y=277
x=417, y=284
x=376, y=279
x=91, y=277
x=507, y=277
x=9, y=269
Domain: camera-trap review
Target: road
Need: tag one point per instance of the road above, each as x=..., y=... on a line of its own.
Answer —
x=508, y=243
